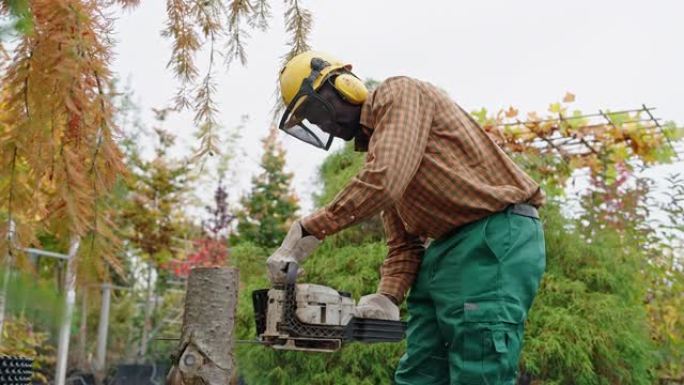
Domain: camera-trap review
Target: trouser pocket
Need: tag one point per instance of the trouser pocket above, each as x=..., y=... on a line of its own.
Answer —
x=491, y=352
x=492, y=341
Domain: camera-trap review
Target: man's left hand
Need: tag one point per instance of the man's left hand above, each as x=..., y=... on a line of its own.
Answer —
x=377, y=306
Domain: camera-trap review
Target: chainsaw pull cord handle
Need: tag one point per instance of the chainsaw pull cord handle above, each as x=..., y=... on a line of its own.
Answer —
x=291, y=273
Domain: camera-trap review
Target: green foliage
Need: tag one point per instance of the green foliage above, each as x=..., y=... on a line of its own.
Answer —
x=665, y=302
x=33, y=300
x=337, y=169
x=125, y=323
x=152, y=219
x=538, y=166
x=169, y=317
x=588, y=324
x=270, y=207
x=20, y=18
x=151, y=215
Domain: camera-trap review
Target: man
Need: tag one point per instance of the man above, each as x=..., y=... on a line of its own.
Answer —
x=432, y=173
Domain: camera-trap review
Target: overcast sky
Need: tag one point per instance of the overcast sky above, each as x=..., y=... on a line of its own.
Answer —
x=486, y=53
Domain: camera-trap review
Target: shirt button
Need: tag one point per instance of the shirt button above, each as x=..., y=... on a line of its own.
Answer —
x=352, y=217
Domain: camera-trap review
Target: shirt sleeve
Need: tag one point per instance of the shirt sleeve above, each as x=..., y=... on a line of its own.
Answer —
x=404, y=254
x=402, y=117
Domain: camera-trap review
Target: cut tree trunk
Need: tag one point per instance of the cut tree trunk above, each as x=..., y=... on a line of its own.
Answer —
x=205, y=351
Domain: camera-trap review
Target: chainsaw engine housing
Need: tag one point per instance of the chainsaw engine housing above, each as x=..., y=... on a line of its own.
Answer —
x=315, y=318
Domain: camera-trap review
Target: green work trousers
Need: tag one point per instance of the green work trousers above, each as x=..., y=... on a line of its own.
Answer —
x=468, y=304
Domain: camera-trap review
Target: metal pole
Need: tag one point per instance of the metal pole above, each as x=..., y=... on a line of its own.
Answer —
x=7, y=264
x=70, y=299
x=147, y=323
x=83, y=331
x=3, y=294
x=103, y=328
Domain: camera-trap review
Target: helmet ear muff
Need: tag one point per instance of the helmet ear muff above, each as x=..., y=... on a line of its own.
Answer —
x=351, y=88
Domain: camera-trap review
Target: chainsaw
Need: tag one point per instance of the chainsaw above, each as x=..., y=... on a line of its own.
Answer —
x=315, y=318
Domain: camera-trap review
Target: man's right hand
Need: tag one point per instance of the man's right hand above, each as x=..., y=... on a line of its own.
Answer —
x=295, y=248
x=377, y=306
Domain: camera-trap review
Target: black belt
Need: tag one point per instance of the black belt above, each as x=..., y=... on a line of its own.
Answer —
x=524, y=209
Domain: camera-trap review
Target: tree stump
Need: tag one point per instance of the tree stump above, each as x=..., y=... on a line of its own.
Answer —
x=205, y=351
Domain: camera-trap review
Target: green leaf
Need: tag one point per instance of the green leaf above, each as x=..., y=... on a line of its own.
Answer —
x=618, y=118
x=620, y=153
x=664, y=154
x=480, y=115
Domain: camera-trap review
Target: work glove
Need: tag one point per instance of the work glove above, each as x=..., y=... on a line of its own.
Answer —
x=295, y=248
x=377, y=306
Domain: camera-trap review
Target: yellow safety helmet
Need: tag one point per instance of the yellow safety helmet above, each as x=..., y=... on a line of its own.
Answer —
x=300, y=78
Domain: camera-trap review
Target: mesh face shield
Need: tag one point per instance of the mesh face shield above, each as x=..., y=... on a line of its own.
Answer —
x=304, y=123
x=308, y=112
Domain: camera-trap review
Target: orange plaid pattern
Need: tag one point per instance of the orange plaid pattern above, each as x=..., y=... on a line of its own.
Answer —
x=430, y=168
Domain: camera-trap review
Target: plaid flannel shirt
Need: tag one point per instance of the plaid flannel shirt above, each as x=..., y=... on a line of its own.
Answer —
x=430, y=168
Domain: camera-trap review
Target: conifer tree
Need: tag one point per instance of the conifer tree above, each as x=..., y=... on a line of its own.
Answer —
x=152, y=218
x=270, y=206
x=158, y=191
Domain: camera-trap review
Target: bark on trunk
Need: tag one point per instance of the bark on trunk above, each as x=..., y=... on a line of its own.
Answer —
x=205, y=352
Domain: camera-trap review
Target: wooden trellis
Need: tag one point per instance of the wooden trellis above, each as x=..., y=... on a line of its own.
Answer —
x=583, y=135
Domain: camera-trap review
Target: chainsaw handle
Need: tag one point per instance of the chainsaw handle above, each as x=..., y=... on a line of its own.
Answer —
x=291, y=273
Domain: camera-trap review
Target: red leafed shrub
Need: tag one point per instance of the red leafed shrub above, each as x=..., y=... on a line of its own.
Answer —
x=209, y=252
x=212, y=248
